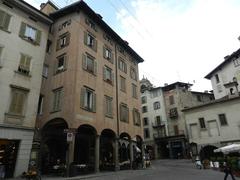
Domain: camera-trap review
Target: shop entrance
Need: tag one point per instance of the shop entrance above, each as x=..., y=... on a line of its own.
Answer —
x=8, y=156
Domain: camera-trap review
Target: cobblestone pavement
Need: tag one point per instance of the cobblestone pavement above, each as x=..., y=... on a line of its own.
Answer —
x=160, y=170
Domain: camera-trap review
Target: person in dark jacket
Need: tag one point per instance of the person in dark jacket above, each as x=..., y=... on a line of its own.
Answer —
x=228, y=170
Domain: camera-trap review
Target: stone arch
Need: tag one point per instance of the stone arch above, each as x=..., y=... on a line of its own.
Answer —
x=107, y=145
x=84, y=152
x=207, y=152
x=53, y=144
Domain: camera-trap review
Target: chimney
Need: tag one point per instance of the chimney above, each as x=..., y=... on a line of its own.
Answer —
x=42, y=5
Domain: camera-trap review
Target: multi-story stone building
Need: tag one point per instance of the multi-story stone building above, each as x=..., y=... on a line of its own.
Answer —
x=216, y=124
x=90, y=95
x=153, y=116
x=168, y=135
x=23, y=39
x=225, y=76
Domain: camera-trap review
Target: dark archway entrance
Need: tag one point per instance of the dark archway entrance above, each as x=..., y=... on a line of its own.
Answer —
x=54, y=144
x=107, y=140
x=207, y=152
x=84, y=152
x=124, y=151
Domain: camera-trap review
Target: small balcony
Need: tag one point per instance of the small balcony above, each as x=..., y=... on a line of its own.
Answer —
x=173, y=113
x=159, y=135
x=158, y=125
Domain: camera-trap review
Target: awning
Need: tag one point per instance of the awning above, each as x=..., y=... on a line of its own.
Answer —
x=228, y=149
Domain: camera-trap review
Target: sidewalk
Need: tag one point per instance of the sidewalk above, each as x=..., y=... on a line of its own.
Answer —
x=88, y=176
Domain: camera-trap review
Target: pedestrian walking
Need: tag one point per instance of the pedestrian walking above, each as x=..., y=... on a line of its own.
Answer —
x=228, y=170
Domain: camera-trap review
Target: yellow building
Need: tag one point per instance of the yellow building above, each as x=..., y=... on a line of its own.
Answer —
x=89, y=112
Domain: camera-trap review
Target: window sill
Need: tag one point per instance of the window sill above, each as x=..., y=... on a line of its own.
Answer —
x=59, y=71
x=58, y=49
x=30, y=41
x=124, y=91
x=87, y=109
x=27, y=75
x=109, y=82
x=90, y=72
x=109, y=116
x=137, y=125
x=55, y=111
x=5, y=30
x=124, y=121
x=91, y=47
x=14, y=115
x=203, y=129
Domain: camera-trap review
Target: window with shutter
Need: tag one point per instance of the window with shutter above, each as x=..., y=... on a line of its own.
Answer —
x=134, y=91
x=88, y=99
x=122, y=84
x=18, y=99
x=90, y=41
x=4, y=20
x=108, y=74
x=30, y=34
x=124, y=113
x=89, y=64
x=63, y=41
x=24, y=65
x=61, y=63
x=133, y=73
x=57, y=99
x=136, y=117
x=107, y=54
x=108, y=106
x=122, y=65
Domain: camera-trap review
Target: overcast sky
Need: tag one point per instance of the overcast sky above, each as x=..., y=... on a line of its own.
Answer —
x=180, y=40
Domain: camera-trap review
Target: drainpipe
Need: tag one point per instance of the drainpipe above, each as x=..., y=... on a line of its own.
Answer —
x=116, y=68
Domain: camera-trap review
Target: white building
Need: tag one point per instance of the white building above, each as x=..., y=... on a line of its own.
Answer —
x=153, y=115
x=23, y=39
x=225, y=76
x=217, y=123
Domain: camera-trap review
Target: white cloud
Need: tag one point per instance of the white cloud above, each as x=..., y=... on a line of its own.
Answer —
x=182, y=40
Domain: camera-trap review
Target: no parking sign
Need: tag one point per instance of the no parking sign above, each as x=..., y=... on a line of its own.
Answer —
x=69, y=137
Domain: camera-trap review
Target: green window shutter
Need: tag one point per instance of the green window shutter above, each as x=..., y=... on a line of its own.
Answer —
x=6, y=21
x=94, y=103
x=95, y=68
x=95, y=45
x=28, y=63
x=110, y=107
x=134, y=118
x=67, y=39
x=104, y=52
x=65, y=62
x=2, y=15
x=22, y=61
x=22, y=29
x=112, y=76
x=12, y=108
x=85, y=38
x=84, y=62
x=38, y=37
x=82, y=97
x=20, y=103
x=58, y=44
x=104, y=73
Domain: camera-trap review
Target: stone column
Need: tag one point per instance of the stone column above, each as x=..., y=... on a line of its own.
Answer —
x=97, y=149
x=143, y=155
x=116, y=155
x=131, y=153
x=70, y=153
x=170, y=150
x=156, y=155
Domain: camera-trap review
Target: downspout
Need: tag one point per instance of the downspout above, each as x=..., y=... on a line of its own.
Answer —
x=117, y=111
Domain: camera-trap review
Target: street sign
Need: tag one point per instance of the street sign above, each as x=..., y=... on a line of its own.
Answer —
x=69, y=137
x=70, y=130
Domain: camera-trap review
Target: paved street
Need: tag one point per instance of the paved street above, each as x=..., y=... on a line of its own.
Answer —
x=160, y=170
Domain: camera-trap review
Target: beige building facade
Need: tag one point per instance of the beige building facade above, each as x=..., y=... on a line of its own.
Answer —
x=90, y=96
x=23, y=38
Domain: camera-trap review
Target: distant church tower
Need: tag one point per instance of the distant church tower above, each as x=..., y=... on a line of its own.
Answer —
x=145, y=84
